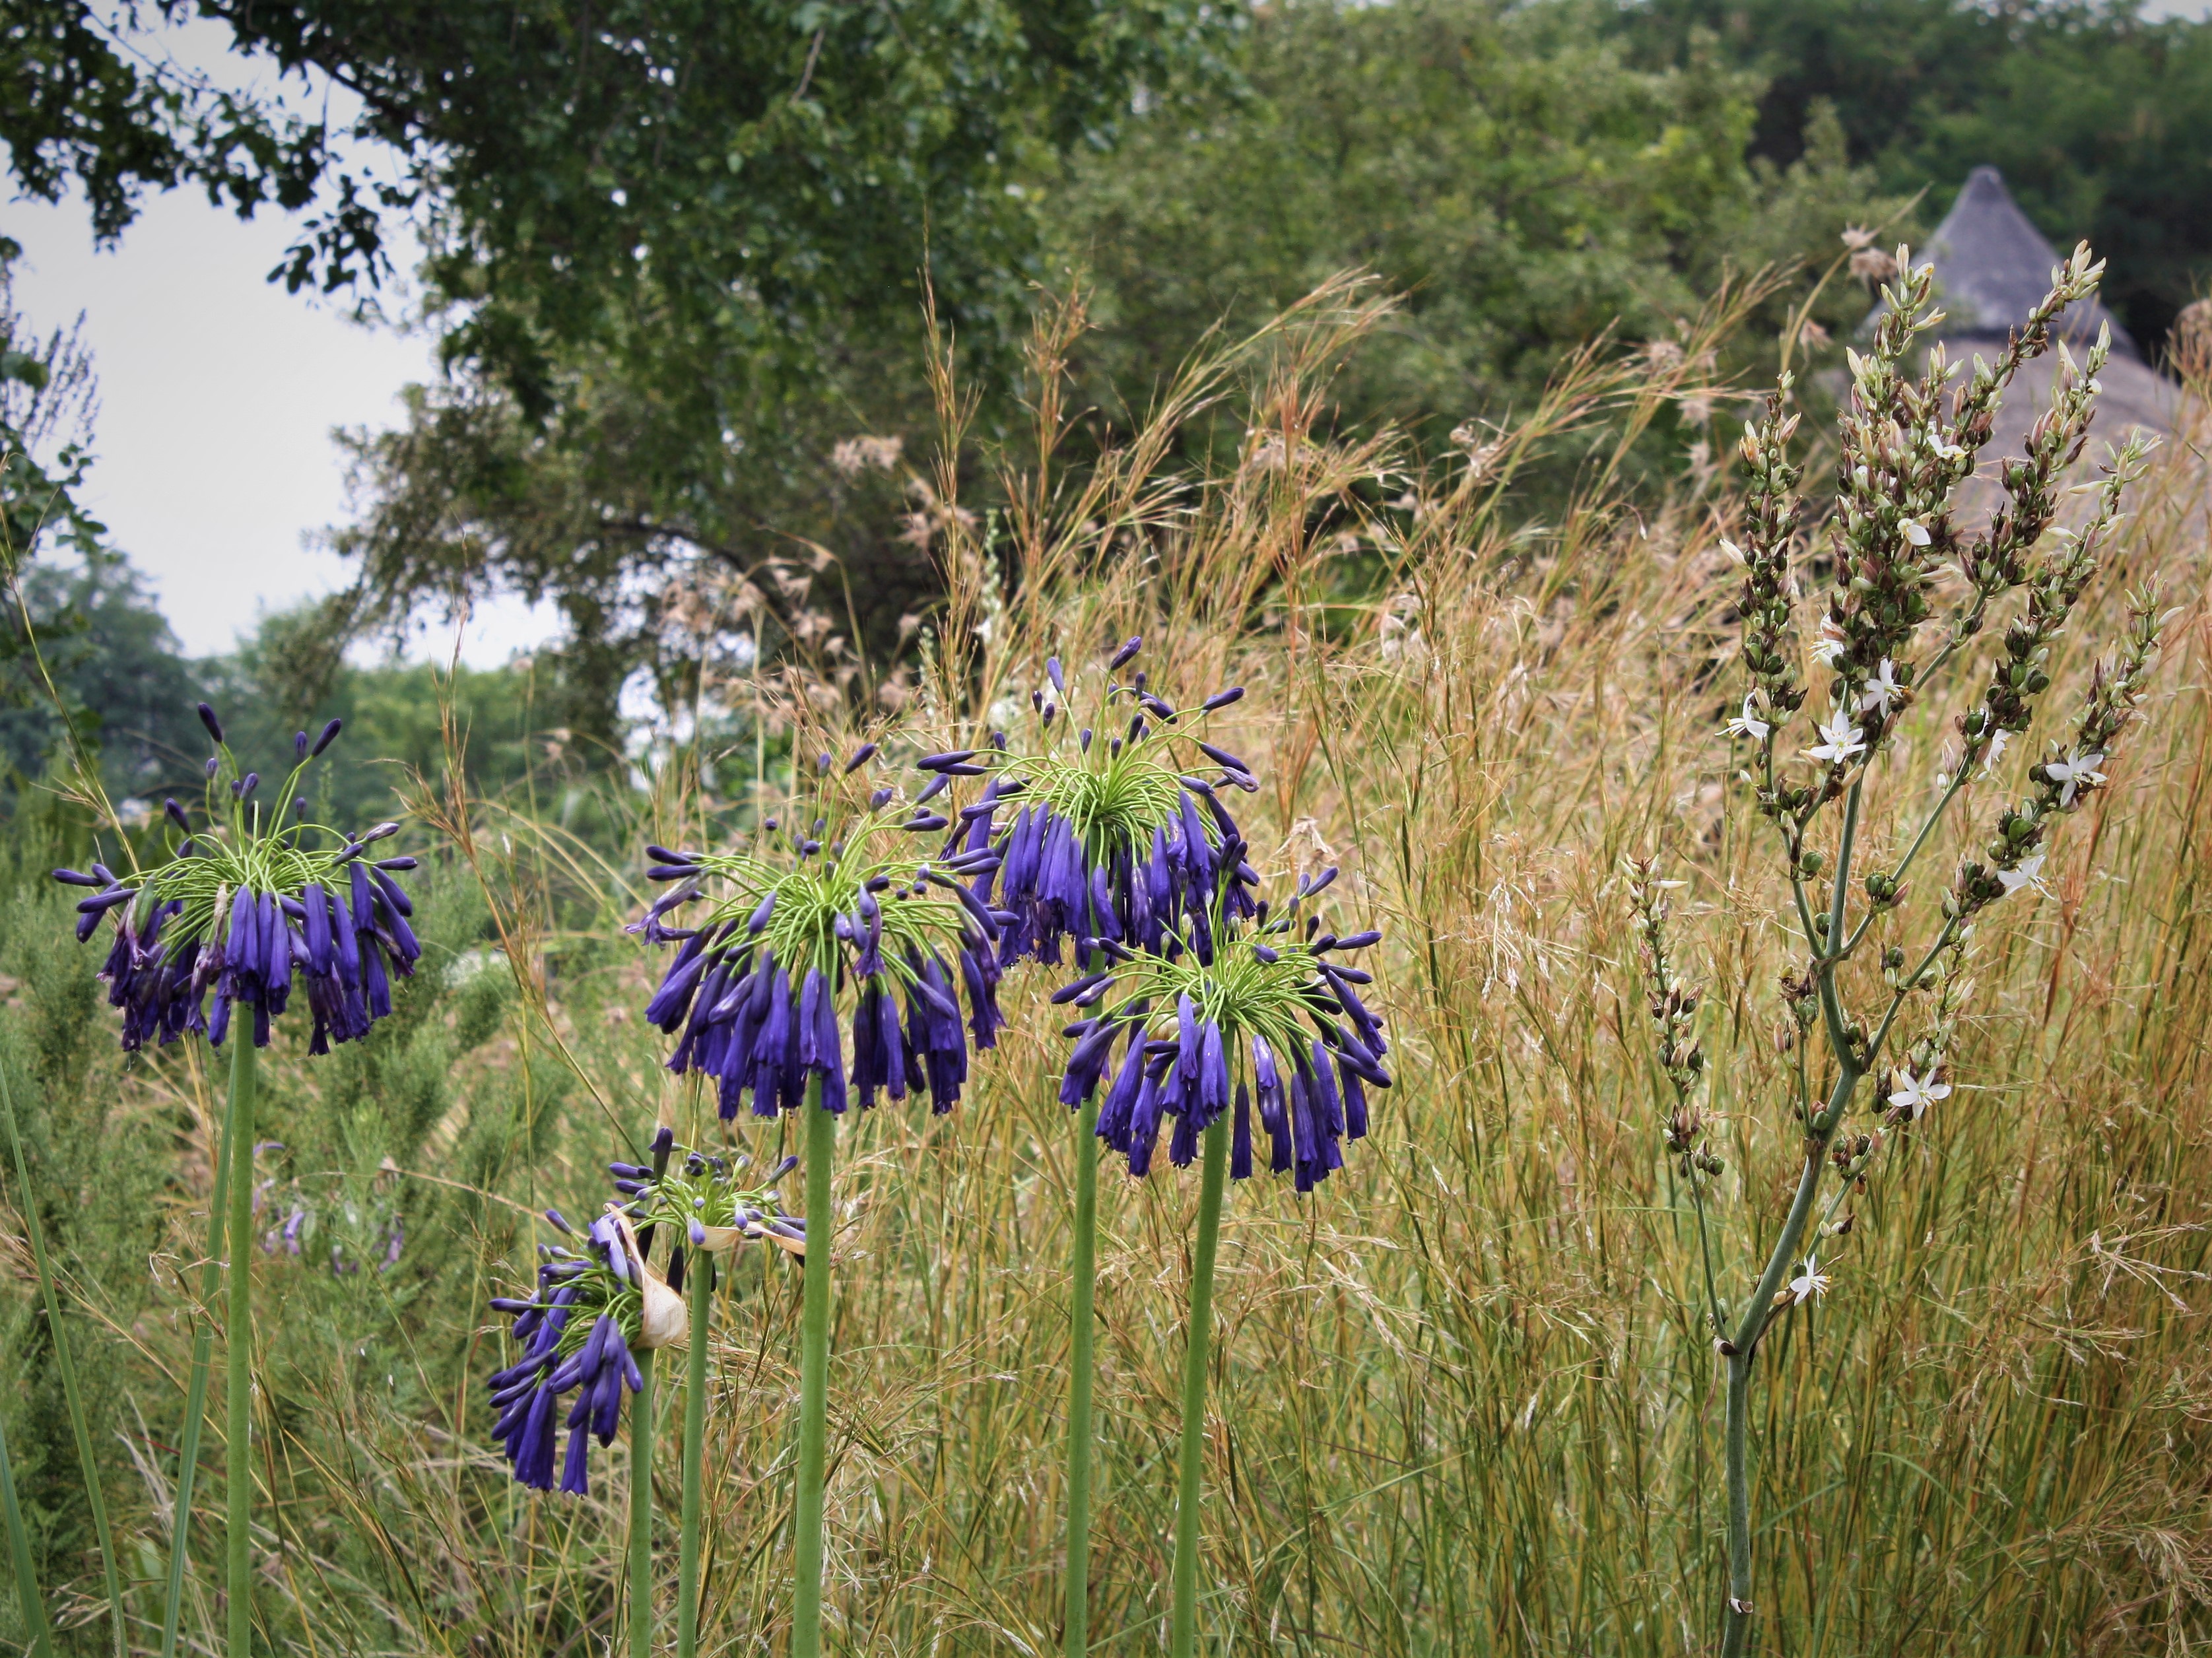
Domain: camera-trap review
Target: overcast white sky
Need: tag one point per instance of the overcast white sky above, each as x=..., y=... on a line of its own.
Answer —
x=218, y=394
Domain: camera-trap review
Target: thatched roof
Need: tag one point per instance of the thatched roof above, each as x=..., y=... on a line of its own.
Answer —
x=1992, y=265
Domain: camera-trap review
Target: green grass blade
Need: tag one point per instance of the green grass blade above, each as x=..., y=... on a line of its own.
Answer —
x=86, y=1459
x=19, y=1545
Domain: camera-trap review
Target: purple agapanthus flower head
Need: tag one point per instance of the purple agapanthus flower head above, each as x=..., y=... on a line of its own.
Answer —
x=1113, y=834
x=249, y=908
x=805, y=937
x=1269, y=1025
x=597, y=1307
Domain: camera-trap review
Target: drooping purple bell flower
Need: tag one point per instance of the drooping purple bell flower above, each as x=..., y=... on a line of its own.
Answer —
x=1267, y=1024
x=1116, y=840
x=247, y=908
x=804, y=939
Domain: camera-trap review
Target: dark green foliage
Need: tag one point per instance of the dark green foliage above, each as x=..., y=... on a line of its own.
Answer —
x=2100, y=119
x=47, y=395
x=127, y=691
x=1505, y=168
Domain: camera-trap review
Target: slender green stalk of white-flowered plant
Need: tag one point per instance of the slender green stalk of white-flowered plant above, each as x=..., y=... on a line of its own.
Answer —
x=1907, y=447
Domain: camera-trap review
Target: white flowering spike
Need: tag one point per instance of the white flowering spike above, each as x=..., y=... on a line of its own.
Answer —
x=2029, y=874
x=2072, y=770
x=1914, y=1095
x=1883, y=691
x=1748, y=724
x=1840, y=740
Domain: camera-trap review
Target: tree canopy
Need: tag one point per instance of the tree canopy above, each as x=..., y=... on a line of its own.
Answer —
x=2099, y=117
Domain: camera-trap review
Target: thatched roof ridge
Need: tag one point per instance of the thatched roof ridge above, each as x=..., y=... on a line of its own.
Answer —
x=1992, y=265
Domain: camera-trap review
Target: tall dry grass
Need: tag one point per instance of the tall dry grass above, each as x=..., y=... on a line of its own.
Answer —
x=1463, y=1402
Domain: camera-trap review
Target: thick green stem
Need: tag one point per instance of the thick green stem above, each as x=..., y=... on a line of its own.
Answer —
x=88, y=1463
x=188, y=1455
x=1738, y=1626
x=1082, y=1258
x=1757, y=1312
x=813, y=1377
x=1182, y=1629
x=238, y=1343
x=640, y=1511
x=701, y=1285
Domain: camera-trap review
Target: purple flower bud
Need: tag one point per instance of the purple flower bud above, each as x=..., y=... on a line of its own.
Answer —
x=1052, y=671
x=70, y=878
x=213, y=765
x=937, y=786
x=381, y=832
x=214, y=726
x=861, y=756
x=1121, y=657
x=329, y=736
x=176, y=815
x=299, y=745
x=1222, y=698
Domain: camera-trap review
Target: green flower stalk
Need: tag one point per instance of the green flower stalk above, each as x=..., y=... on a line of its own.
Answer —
x=805, y=935
x=699, y=1196
x=1262, y=1016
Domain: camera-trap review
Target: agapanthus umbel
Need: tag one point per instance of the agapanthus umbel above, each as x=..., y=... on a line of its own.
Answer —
x=249, y=906
x=591, y=1309
x=1270, y=1021
x=596, y=1308
x=803, y=924
x=704, y=1198
x=1115, y=834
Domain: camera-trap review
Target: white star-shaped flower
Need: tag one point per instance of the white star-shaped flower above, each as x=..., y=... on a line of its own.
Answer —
x=2072, y=770
x=1915, y=532
x=1883, y=690
x=1831, y=644
x=1914, y=1095
x=1748, y=724
x=2029, y=874
x=1808, y=1283
x=1998, y=742
x=1839, y=740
